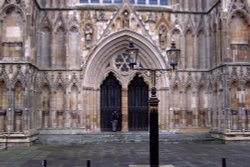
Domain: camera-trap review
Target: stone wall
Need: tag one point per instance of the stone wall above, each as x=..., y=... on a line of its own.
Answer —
x=55, y=56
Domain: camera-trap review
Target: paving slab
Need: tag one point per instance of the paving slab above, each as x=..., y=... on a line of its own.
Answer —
x=125, y=154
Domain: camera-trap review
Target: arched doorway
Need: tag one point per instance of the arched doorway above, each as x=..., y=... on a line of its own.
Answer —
x=138, y=105
x=110, y=101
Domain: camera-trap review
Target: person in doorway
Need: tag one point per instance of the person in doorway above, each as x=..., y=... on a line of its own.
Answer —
x=115, y=118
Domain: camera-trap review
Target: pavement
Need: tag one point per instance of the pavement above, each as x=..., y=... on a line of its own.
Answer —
x=125, y=154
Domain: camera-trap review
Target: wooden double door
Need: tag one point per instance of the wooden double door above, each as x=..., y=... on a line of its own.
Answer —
x=111, y=100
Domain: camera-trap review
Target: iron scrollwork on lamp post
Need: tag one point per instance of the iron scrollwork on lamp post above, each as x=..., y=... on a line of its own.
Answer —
x=173, y=55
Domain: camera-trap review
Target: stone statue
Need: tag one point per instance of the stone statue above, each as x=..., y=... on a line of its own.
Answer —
x=88, y=35
x=162, y=37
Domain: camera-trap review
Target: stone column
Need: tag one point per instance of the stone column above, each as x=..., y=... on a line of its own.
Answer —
x=171, y=118
x=124, y=110
x=53, y=110
x=67, y=112
x=196, y=52
x=10, y=111
x=67, y=51
x=243, y=119
x=98, y=110
x=195, y=107
x=26, y=110
x=53, y=49
x=182, y=110
x=163, y=109
x=87, y=110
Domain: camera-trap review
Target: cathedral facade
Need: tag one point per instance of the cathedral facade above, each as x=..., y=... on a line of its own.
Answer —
x=64, y=66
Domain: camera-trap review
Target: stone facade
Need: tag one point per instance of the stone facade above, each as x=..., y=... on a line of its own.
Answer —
x=55, y=55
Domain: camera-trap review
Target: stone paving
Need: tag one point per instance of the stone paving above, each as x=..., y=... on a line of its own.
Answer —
x=125, y=154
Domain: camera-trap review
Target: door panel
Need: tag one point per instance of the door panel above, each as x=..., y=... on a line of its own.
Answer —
x=110, y=101
x=138, y=105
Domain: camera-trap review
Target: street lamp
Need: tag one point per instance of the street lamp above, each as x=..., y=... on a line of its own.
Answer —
x=173, y=56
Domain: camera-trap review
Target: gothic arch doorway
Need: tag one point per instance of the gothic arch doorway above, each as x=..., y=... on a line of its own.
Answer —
x=110, y=101
x=138, y=105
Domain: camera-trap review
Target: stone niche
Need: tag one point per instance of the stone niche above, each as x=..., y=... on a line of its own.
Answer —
x=12, y=33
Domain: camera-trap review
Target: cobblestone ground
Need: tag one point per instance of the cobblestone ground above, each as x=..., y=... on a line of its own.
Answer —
x=124, y=154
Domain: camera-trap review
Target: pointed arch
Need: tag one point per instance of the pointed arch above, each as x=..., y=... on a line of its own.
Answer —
x=234, y=96
x=45, y=43
x=189, y=48
x=74, y=40
x=201, y=46
x=45, y=97
x=3, y=95
x=73, y=101
x=99, y=58
x=60, y=92
x=12, y=20
x=19, y=95
x=239, y=32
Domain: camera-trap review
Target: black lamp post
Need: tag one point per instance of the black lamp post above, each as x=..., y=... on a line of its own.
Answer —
x=173, y=56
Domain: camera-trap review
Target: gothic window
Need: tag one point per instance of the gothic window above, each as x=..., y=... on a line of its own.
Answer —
x=3, y=96
x=45, y=49
x=239, y=34
x=73, y=98
x=60, y=98
x=122, y=62
x=94, y=1
x=189, y=44
x=107, y=1
x=176, y=35
x=141, y=1
x=191, y=5
x=73, y=49
x=12, y=33
x=45, y=98
x=163, y=2
x=214, y=42
x=153, y=2
x=132, y=1
x=118, y=1
x=60, y=48
x=84, y=1
x=18, y=96
x=201, y=50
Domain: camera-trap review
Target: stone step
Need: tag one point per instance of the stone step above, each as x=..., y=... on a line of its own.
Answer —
x=127, y=137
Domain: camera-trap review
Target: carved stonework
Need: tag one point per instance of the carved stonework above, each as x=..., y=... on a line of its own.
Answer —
x=88, y=32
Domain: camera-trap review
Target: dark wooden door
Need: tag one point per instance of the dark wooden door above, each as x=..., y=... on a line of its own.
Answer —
x=110, y=101
x=138, y=105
